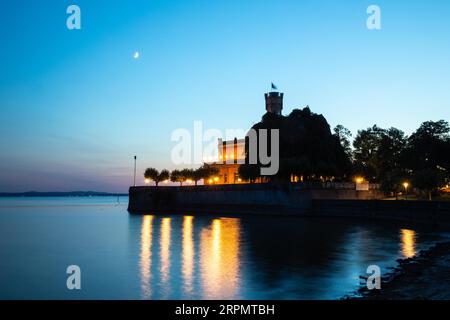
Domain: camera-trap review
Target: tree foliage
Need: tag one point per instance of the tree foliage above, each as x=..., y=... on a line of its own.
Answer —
x=428, y=181
x=176, y=176
x=155, y=175
x=378, y=152
x=429, y=146
x=427, y=156
x=344, y=135
x=183, y=175
x=389, y=157
x=204, y=172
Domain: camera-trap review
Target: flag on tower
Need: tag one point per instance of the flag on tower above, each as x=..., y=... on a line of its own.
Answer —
x=274, y=87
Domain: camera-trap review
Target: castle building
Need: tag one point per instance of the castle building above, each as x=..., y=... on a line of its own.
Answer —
x=232, y=153
x=274, y=102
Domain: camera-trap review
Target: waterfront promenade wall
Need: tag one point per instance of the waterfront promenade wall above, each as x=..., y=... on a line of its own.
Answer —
x=250, y=199
x=265, y=199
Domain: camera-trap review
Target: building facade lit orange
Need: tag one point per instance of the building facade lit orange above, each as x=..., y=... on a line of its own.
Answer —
x=231, y=155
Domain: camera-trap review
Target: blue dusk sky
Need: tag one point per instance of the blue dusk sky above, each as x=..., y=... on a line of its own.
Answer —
x=75, y=106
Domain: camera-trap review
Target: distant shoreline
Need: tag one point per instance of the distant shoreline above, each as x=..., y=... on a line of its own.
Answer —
x=33, y=194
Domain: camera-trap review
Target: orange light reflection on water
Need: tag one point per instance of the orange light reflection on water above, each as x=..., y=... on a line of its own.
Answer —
x=219, y=259
x=146, y=255
x=188, y=253
x=408, y=238
x=164, y=252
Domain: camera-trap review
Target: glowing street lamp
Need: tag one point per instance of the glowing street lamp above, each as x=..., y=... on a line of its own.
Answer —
x=359, y=180
x=406, y=185
x=147, y=181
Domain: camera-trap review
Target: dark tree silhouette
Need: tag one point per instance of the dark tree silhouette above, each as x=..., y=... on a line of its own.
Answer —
x=164, y=175
x=429, y=146
x=155, y=175
x=344, y=135
x=176, y=176
x=187, y=174
x=204, y=172
x=392, y=181
x=388, y=157
x=428, y=181
x=196, y=175
x=366, y=146
x=378, y=152
x=427, y=156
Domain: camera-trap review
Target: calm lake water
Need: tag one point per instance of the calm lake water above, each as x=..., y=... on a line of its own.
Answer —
x=125, y=256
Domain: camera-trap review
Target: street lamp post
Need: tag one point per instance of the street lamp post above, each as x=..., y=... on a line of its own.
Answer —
x=134, y=179
x=406, y=185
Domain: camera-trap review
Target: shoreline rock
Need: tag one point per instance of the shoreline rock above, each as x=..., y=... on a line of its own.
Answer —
x=423, y=277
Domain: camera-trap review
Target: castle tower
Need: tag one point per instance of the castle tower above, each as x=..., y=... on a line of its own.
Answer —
x=274, y=102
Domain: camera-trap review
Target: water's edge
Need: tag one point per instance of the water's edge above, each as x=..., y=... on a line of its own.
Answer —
x=423, y=277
